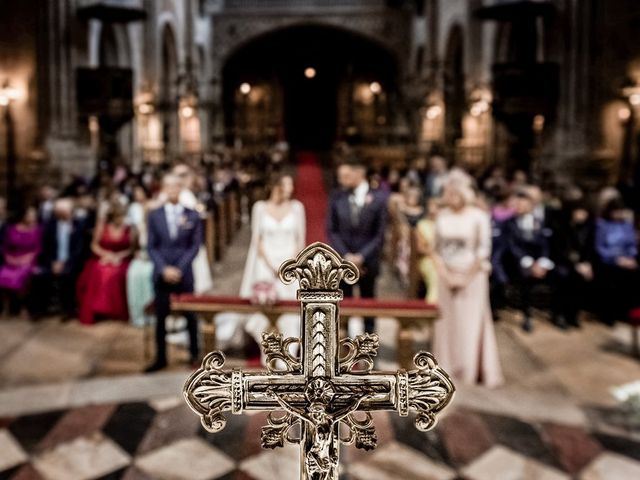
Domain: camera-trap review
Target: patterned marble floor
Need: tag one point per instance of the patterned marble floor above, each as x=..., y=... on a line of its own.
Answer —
x=162, y=439
x=74, y=406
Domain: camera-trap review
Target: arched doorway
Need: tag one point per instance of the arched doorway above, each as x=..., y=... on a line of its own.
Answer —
x=308, y=85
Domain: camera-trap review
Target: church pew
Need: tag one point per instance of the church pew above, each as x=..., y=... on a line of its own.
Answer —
x=221, y=228
x=210, y=237
x=410, y=314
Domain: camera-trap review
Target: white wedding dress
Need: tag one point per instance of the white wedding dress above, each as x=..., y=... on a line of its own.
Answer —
x=281, y=240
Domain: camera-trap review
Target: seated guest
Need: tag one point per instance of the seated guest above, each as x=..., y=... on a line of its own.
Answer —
x=527, y=251
x=572, y=253
x=174, y=238
x=61, y=259
x=617, y=253
x=425, y=243
x=140, y=273
x=46, y=201
x=501, y=211
x=102, y=284
x=21, y=246
x=409, y=212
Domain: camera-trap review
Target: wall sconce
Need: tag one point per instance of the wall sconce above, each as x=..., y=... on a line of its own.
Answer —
x=538, y=123
x=144, y=103
x=188, y=105
x=480, y=100
x=8, y=94
x=624, y=114
x=245, y=88
x=632, y=93
x=433, y=112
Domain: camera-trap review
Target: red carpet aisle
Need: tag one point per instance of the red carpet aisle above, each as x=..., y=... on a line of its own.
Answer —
x=311, y=192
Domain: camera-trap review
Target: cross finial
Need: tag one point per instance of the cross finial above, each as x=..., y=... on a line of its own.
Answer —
x=320, y=387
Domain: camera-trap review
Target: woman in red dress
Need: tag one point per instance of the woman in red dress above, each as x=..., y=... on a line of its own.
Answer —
x=102, y=286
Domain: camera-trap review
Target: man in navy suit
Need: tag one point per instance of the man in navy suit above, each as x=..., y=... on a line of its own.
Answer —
x=64, y=250
x=175, y=235
x=528, y=252
x=356, y=226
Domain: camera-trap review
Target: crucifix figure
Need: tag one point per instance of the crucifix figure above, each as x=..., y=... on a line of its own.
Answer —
x=328, y=382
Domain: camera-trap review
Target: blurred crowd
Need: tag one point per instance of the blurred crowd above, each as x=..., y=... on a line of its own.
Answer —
x=554, y=247
x=119, y=244
x=59, y=239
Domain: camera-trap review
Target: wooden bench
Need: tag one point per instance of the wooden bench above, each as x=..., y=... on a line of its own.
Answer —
x=411, y=315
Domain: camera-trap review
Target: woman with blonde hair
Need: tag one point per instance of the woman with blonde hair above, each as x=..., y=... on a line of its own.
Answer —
x=464, y=343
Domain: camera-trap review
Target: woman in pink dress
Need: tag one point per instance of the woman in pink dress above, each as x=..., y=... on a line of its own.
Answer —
x=464, y=342
x=21, y=246
x=102, y=286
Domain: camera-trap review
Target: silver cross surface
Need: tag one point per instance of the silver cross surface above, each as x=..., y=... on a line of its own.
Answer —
x=319, y=390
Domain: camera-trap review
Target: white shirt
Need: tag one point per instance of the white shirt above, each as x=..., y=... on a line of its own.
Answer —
x=63, y=234
x=173, y=213
x=360, y=194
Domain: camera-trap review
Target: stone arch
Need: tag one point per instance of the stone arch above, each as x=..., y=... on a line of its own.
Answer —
x=167, y=22
x=114, y=46
x=345, y=61
x=231, y=34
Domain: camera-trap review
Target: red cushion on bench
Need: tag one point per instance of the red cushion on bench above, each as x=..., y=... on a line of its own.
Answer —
x=634, y=316
x=399, y=304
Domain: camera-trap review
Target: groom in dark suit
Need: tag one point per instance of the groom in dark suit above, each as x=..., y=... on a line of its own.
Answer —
x=356, y=226
x=175, y=235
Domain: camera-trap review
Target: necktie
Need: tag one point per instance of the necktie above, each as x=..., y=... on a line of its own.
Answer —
x=173, y=221
x=354, y=209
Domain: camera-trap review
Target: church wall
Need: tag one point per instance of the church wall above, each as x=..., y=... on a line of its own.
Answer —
x=589, y=39
x=18, y=66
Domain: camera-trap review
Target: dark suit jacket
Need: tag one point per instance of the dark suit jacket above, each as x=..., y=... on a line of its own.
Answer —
x=499, y=244
x=77, y=246
x=520, y=244
x=573, y=244
x=365, y=238
x=178, y=252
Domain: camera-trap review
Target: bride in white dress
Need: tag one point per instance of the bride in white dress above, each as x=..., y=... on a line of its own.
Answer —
x=278, y=231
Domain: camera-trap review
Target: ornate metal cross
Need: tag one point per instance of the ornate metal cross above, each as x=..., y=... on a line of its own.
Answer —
x=319, y=381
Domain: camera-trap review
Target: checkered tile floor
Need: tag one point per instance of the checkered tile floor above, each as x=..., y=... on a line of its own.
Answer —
x=162, y=439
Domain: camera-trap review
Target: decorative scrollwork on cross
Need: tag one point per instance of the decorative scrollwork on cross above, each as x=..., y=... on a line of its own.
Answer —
x=359, y=351
x=277, y=351
x=430, y=390
x=277, y=431
x=318, y=267
x=362, y=433
x=208, y=392
x=325, y=395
